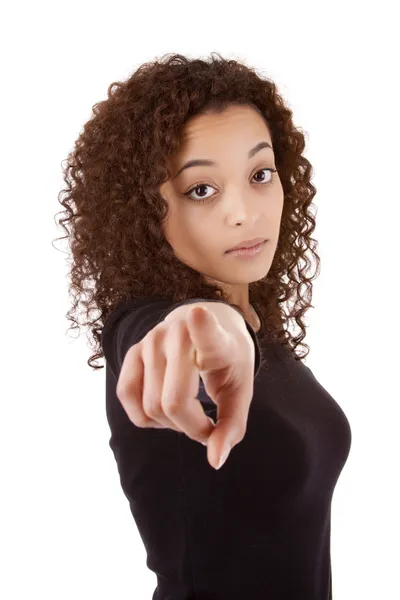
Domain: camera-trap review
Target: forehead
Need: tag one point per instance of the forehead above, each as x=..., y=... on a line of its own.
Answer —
x=236, y=124
x=216, y=135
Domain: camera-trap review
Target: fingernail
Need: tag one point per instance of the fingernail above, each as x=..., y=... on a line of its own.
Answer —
x=223, y=458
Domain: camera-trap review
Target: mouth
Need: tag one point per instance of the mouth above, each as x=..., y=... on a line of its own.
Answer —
x=247, y=244
x=248, y=252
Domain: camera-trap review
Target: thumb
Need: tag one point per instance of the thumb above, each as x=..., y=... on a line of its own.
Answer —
x=209, y=338
x=214, y=350
x=231, y=423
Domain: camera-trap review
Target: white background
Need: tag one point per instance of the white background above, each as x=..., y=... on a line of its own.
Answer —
x=66, y=528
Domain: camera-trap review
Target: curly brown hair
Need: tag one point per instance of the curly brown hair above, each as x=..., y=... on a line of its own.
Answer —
x=115, y=211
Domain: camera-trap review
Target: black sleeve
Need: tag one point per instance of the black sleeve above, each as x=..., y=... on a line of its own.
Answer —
x=131, y=320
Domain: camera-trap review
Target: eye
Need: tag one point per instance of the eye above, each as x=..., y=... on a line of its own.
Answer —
x=205, y=185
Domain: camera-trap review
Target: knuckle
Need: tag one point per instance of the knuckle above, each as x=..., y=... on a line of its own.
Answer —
x=126, y=384
x=151, y=343
x=126, y=388
x=156, y=333
x=141, y=421
x=245, y=347
x=153, y=408
x=122, y=390
x=133, y=353
x=177, y=330
x=171, y=405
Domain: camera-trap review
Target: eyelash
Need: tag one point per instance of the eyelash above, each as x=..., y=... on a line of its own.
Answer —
x=200, y=200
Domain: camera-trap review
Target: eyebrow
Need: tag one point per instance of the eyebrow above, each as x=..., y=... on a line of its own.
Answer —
x=210, y=163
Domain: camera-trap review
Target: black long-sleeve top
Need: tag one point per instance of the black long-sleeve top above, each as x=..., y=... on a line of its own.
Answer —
x=259, y=527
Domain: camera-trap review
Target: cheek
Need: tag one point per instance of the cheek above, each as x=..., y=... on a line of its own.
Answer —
x=274, y=208
x=173, y=224
x=202, y=233
x=187, y=231
x=193, y=236
x=197, y=240
x=180, y=232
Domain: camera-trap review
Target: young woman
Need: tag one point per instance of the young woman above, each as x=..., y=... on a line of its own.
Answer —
x=183, y=162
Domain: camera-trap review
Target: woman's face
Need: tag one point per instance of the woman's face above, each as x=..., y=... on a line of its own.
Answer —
x=240, y=203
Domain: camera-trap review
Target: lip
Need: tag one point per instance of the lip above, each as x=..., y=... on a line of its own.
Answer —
x=248, y=244
x=248, y=253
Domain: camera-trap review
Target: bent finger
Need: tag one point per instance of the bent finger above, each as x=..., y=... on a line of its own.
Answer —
x=155, y=364
x=129, y=390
